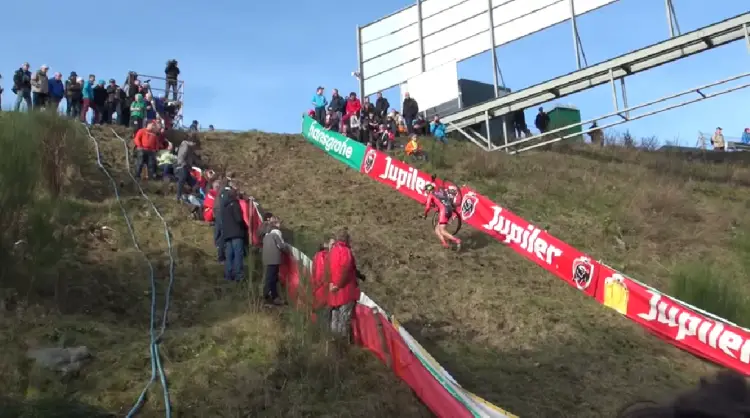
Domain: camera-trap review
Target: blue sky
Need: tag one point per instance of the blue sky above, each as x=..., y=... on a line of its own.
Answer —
x=254, y=65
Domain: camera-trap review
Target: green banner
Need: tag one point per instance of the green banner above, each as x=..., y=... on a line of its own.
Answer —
x=346, y=150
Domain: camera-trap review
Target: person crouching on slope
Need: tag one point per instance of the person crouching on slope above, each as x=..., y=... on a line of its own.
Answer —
x=147, y=144
x=166, y=159
x=234, y=234
x=414, y=149
x=343, y=289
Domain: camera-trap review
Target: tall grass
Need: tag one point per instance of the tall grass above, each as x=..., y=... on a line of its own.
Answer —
x=709, y=288
x=38, y=150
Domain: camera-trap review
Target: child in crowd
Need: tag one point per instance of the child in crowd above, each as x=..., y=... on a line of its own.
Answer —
x=166, y=159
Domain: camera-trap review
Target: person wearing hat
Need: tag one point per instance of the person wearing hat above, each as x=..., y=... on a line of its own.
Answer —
x=112, y=104
x=73, y=96
x=717, y=141
x=320, y=103
x=40, y=87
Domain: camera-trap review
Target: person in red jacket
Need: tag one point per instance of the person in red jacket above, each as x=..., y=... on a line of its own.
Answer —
x=147, y=144
x=353, y=107
x=208, y=202
x=318, y=282
x=343, y=289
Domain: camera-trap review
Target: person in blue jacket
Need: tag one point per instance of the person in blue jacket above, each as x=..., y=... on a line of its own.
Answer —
x=56, y=91
x=88, y=96
x=320, y=103
x=746, y=136
x=437, y=129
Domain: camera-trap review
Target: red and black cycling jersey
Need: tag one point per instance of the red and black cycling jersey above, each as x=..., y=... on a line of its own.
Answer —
x=440, y=200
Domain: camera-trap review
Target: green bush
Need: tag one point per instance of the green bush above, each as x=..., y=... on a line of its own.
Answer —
x=39, y=150
x=708, y=287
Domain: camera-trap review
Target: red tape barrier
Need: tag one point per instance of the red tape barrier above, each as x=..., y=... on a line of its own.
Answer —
x=374, y=331
x=675, y=322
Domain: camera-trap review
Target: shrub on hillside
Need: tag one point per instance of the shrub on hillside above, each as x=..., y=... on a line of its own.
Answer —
x=38, y=151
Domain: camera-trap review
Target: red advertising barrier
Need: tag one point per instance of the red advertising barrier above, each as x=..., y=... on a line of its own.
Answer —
x=396, y=174
x=574, y=267
x=686, y=327
x=373, y=331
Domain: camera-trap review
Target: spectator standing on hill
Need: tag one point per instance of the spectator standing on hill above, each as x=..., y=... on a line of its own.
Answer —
x=338, y=104
x=112, y=105
x=343, y=289
x=147, y=144
x=88, y=97
x=319, y=282
x=273, y=247
x=73, y=95
x=137, y=112
x=22, y=87
x=1, y=93
x=519, y=124
x=369, y=109
x=437, y=129
x=100, y=102
x=320, y=103
x=56, y=91
x=410, y=110
x=40, y=88
x=542, y=120
x=717, y=141
x=234, y=234
x=746, y=136
x=172, y=72
x=381, y=107
x=221, y=196
x=186, y=159
x=351, y=111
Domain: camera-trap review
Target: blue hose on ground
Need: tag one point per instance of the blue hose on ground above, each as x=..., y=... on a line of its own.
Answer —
x=156, y=366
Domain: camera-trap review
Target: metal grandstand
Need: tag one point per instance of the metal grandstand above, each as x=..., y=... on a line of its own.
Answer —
x=418, y=48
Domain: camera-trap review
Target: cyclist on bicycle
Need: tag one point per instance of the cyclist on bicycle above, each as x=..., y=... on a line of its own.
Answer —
x=443, y=201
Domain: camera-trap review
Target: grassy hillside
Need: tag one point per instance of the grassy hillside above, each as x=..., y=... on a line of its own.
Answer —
x=503, y=327
x=66, y=281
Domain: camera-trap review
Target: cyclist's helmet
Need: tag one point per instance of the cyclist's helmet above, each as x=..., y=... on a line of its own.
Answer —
x=452, y=189
x=429, y=187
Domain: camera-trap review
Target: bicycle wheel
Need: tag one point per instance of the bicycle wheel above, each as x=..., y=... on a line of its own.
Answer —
x=454, y=223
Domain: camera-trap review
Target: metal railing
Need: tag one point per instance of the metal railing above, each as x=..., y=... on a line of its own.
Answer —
x=624, y=114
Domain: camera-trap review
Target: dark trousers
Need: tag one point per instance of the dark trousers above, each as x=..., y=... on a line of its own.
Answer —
x=73, y=109
x=320, y=115
x=39, y=100
x=148, y=159
x=183, y=177
x=234, y=265
x=124, y=118
x=270, y=288
x=218, y=240
x=136, y=123
x=171, y=84
x=54, y=103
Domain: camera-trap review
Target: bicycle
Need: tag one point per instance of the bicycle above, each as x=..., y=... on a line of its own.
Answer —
x=454, y=221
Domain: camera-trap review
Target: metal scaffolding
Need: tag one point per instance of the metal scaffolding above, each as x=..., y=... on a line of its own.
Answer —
x=682, y=46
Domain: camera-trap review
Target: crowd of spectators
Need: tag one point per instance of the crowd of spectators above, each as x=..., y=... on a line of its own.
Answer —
x=376, y=124
x=133, y=103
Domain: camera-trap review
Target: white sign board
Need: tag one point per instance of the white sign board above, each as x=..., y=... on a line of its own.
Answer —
x=434, y=87
x=452, y=30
